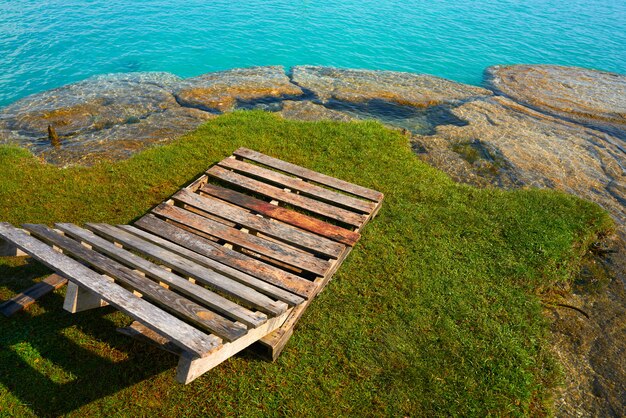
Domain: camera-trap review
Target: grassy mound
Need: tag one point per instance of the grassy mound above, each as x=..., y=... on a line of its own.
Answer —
x=436, y=312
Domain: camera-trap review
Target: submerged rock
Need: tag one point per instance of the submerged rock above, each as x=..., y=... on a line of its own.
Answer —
x=417, y=90
x=122, y=141
x=93, y=104
x=309, y=111
x=220, y=91
x=523, y=147
x=595, y=98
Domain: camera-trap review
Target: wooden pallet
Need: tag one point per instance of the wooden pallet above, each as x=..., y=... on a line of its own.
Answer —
x=232, y=259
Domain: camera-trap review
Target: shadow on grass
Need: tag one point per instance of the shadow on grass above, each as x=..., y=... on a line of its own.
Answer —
x=45, y=368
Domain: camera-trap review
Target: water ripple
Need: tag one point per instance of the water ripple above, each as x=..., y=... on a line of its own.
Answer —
x=45, y=44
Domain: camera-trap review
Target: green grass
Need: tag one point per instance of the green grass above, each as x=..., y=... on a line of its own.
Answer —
x=437, y=311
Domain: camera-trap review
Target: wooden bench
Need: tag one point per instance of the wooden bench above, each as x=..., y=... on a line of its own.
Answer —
x=234, y=258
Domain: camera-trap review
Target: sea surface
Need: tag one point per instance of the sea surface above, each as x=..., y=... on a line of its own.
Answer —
x=48, y=43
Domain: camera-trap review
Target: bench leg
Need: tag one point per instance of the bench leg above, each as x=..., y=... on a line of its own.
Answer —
x=7, y=249
x=78, y=299
x=191, y=367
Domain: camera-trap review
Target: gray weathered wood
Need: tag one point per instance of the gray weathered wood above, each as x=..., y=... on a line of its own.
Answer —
x=191, y=367
x=305, y=173
x=206, y=276
x=305, y=188
x=250, y=271
x=165, y=298
x=273, y=250
x=281, y=231
x=191, y=290
x=183, y=335
x=78, y=299
x=302, y=202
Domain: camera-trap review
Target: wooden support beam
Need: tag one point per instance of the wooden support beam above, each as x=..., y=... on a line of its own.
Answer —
x=8, y=249
x=190, y=367
x=30, y=295
x=79, y=299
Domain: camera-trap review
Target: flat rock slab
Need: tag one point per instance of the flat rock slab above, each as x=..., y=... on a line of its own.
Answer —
x=309, y=111
x=122, y=141
x=220, y=91
x=535, y=150
x=596, y=98
x=417, y=90
x=93, y=104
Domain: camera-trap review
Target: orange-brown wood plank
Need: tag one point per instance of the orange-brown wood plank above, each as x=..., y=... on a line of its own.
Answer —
x=231, y=258
x=330, y=231
x=302, y=202
x=274, y=250
x=30, y=295
x=278, y=230
x=305, y=188
x=305, y=173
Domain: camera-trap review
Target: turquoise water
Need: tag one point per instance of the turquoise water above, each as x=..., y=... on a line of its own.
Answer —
x=45, y=44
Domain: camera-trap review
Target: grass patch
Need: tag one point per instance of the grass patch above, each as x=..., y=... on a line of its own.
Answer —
x=437, y=312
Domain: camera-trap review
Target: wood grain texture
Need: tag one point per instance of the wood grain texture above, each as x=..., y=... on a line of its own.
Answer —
x=79, y=299
x=182, y=334
x=191, y=367
x=258, y=245
x=142, y=333
x=165, y=298
x=32, y=294
x=305, y=188
x=192, y=291
x=267, y=279
x=305, y=173
x=291, y=217
x=278, y=230
x=302, y=202
x=211, y=278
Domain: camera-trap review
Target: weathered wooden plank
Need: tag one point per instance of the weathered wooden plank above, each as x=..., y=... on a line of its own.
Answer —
x=206, y=276
x=308, y=189
x=165, y=298
x=291, y=217
x=183, y=335
x=302, y=202
x=30, y=295
x=191, y=290
x=253, y=243
x=277, y=230
x=311, y=175
x=249, y=271
x=142, y=333
x=191, y=367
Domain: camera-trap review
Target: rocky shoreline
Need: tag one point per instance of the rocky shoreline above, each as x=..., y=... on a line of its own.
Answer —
x=529, y=126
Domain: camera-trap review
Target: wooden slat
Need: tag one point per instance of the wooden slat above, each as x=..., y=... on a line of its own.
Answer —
x=165, y=298
x=305, y=173
x=291, y=217
x=253, y=243
x=182, y=334
x=142, y=333
x=305, y=188
x=278, y=230
x=302, y=202
x=191, y=290
x=206, y=276
x=254, y=273
x=32, y=294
